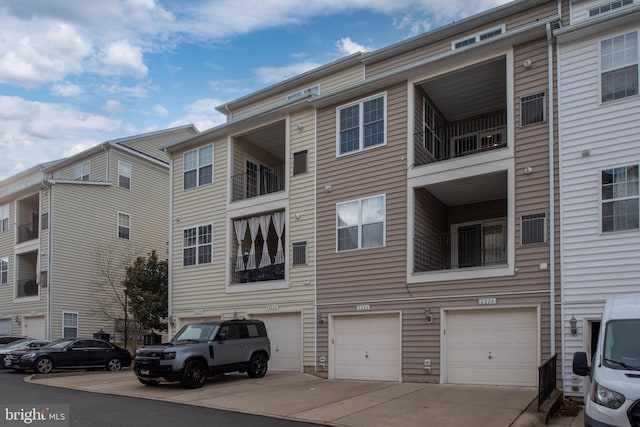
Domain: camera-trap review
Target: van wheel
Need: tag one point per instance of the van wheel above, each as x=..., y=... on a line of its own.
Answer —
x=194, y=374
x=257, y=365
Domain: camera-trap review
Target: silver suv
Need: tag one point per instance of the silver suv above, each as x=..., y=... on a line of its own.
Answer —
x=200, y=350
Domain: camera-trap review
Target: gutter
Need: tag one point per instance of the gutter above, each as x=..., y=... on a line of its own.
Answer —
x=552, y=259
x=48, y=185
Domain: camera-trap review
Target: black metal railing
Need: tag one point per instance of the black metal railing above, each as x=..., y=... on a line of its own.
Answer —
x=547, y=379
x=27, y=288
x=27, y=232
x=265, y=180
x=476, y=247
x=258, y=274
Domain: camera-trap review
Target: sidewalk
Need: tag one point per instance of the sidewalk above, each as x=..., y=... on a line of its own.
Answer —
x=343, y=403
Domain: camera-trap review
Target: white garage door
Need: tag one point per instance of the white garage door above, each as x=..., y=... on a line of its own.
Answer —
x=285, y=334
x=366, y=347
x=33, y=326
x=5, y=327
x=497, y=347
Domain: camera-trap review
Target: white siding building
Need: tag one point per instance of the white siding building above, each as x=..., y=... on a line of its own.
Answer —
x=599, y=139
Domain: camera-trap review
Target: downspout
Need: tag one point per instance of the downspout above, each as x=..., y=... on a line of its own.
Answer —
x=170, y=252
x=552, y=254
x=49, y=204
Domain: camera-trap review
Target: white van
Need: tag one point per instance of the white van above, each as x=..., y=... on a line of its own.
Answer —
x=613, y=396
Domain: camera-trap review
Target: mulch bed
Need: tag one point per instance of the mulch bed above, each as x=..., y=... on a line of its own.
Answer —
x=569, y=408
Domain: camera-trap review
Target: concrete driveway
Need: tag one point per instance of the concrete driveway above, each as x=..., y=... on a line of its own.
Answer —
x=304, y=397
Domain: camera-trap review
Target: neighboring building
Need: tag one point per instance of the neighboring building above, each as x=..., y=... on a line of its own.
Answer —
x=68, y=227
x=599, y=138
x=242, y=229
x=436, y=255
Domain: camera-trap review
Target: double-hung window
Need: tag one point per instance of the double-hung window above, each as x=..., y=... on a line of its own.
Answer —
x=4, y=218
x=361, y=223
x=124, y=175
x=197, y=245
x=198, y=167
x=124, y=226
x=4, y=270
x=362, y=125
x=82, y=171
x=619, y=66
x=69, y=324
x=620, y=199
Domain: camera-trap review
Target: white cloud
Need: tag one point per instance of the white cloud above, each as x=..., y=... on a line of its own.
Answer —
x=202, y=113
x=66, y=89
x=268, y=75
x=112, y=106
x=160, y=110
x=348, y=46
x=120, y=57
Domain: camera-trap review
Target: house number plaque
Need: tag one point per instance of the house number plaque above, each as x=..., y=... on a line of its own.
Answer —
x=486, y=301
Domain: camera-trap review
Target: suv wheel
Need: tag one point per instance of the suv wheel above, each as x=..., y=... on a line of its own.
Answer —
x=194, y=374
x=257, y=365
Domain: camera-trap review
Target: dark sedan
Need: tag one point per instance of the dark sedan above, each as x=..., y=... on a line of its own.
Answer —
x=71, y=353
x=23, y=344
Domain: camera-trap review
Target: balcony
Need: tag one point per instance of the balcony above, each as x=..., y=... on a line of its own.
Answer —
x=259, y=162
x=27, y=288
x=463, y=113
x=461, y=224
x=259, y=247
x=27, y=275
x=28, y=218
x=27, y=232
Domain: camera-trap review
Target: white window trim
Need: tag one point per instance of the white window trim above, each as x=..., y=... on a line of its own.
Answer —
x=384, y=223
x=601, y=71
x=260, y=165
x=4, y=208
x=118, y=225
x=483, y=223
x=197, y=246
x=6, y=260
x=477, y=36
x=360, y=103
x=122, y=163
x=601, y=201
x=198, y=166
x=77, y=322
x=79, y=171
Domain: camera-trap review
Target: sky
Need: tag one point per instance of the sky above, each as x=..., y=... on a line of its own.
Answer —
x=75, y=74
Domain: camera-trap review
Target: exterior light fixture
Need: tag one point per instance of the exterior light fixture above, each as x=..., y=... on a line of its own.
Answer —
x=573, y=323
x=428, y=315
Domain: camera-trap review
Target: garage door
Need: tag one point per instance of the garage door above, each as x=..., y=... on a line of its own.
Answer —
x=285, y=334
x=5, y=327
x=366, y=347
x=33, y=326
x=497, y=347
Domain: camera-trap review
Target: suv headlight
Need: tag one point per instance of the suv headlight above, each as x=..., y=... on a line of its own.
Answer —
x=168, y=356
x=607, y=397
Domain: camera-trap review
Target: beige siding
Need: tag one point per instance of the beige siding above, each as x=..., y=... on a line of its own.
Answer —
x=97, y=170
x=152, y=145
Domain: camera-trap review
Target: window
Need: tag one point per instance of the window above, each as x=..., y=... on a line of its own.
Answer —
x=197, y=244
x=124, y=225
x=44, y=221
x=619, y=66
x=198, y=167
x=475, y=38
x=360, y=223
x=82, y=171
x=533, y=228
x=608, y=7
x=433, y=125
x=4, y=270
x=300, y=162
x=4, y=218
x=362, y=125
x=479, y=244
x=69, y=324
x=299, y=253
x=532, y=109
x=124, y=175
x=620, y=199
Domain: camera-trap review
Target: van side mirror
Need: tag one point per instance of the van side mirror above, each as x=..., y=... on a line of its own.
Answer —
x=581, y=364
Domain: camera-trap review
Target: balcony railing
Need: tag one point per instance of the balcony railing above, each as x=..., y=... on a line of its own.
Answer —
x=27, y=232
x=27, y=288
x=464, y=249
x=262, y=274
x=265, y=180
x=461, y=138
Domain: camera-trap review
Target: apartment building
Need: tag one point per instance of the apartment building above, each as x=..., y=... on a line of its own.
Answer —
x=242, y=229
x=68, y=229
x=599, y=157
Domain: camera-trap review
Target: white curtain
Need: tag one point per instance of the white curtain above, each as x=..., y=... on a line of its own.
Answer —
x=278, y=223
x=265, y=221
x=254, y=225
x=241, y=230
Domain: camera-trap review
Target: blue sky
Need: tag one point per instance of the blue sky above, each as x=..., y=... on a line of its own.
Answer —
x=74, y=74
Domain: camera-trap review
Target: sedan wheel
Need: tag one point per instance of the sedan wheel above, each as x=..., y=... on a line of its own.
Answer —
x=44, y=365
x=114, y=364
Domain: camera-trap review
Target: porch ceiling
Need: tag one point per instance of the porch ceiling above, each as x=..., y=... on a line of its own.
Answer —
x=470, y=190
x=270, y=138
x=471, y=91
